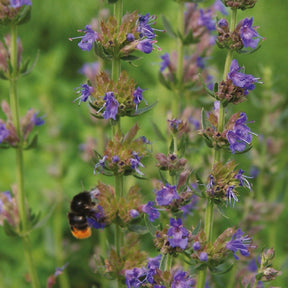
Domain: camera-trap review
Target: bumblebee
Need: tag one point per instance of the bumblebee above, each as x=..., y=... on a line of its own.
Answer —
x=81, y=207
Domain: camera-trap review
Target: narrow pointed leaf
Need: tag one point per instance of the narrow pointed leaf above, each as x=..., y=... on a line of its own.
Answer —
x=168, y=27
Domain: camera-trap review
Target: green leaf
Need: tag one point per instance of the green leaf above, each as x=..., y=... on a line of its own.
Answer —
x=158, y=132
x=222, y=268
x=164, y=82
x=141, y=111
x=99, y=51
x=33, y=143
x=189, y=39
x=130, y=58
x=150, y=227
x=37, y=223
x=24, y=15
x=9, y=230
x=209, y=92
x=24, y=70
x=163, y=179
x=139, y=229
x=197, y=228
x=3, y=75
x=168, y=27
x=221, y=211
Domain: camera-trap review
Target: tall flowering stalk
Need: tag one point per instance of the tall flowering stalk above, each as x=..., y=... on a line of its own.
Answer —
x=113, y=97
x=18, y=129
x=247, y=36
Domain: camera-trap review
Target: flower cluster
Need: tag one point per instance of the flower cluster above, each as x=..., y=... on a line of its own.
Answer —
x=224, y=181
x=236, y=133
x=240, y=4
x=110, y=99
x=123, y=155
x=135, y=33
x=240, y=135
x=152, y=276
x=243, y=38
x=8, y=209
x=8, y=133
x=199, y=25
x=236, y=86
x=5, y=65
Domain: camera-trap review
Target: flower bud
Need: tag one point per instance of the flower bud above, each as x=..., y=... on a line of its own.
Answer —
x=15, y=11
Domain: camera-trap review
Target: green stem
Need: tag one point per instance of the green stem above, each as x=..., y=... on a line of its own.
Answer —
x=179, y=72
x=218, y=155
x=116, y=129
x=118, y=11
x=168, y=264
x=58, y=239
x=20, y=196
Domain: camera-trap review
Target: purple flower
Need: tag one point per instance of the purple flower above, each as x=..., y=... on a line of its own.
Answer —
x=196, y=246
x=240, y=79
x=111, y=105
x=152, y=266
x=203, y=256
x=135, y=163
x=195, y=122
x=222, y=23
x=206, y=20
x=144, y=26
x=152, y=212
x=230, y=195
x=96, y=220
x=59, y=271
x=138, y=97
x=219, y=6
x=239, y=242
x=243, y=179
x=183, y=280
x=115, y=159
x=134, y=276
x=240, y=135
x=165, y=62
x=211, y=184
x=145, y=46
x=154, y=263
x=100, y=164
x=90, y=36
x=188, y=208
x=166, y=195
x=134, y=213
x=200, y=62
x=90, y=70
x=38, y=121
x=19, y=3
x=249, y=36
x=4, y=133
x=84, y=92
x=178, y=235
x=130, y=37
x=174, y=124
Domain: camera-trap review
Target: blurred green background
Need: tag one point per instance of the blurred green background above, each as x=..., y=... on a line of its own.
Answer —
x=55, y=171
